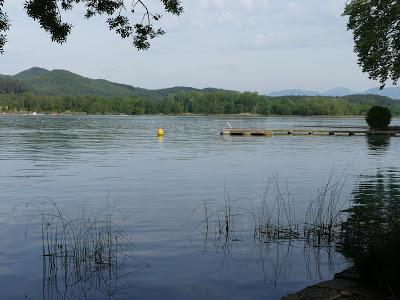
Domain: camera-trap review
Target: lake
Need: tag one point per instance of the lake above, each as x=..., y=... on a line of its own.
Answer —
x=169, y=197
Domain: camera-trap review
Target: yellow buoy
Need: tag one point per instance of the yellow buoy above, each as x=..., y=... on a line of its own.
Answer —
x=160, y=132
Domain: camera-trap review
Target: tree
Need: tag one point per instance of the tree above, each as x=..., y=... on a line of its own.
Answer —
x=376, y=29
x=4, y=26
x=379, y=118
x=119, y=18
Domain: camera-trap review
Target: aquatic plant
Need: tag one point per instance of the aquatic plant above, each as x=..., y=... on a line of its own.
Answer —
x=363, y=225
x=274, y=218
x=325, y=213
x=221, y=225
x=83, y=254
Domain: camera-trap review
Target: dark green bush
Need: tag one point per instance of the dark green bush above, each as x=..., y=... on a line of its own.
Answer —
x=379, y=117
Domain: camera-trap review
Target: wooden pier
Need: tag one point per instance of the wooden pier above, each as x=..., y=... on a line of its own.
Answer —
x=302, y=132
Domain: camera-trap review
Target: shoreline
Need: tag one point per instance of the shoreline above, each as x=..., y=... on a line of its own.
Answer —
x=345, y=285
x=33, y=113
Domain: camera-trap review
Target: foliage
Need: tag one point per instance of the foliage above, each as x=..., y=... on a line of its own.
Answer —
x=48, y=14
x=9, y=85
x=4, y=26
x=195, y=102
x=375, y=25
x=379, y=117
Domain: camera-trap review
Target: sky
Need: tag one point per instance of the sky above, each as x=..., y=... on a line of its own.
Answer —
x=245, y=45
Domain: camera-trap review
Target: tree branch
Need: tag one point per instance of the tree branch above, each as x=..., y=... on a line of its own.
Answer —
x=48, y=13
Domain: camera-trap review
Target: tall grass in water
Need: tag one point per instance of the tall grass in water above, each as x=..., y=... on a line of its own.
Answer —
x=221, y=224
x=83, y=255
x=273, y=230
x=325, y=214
x=274, y=218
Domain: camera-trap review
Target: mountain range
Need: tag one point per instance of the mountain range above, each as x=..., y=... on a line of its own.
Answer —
x=42, y=82
x=391, y=92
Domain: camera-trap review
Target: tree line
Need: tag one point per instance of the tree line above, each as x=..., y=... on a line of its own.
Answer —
x=216, y=102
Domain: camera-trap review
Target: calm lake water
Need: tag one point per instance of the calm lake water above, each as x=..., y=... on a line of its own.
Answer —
x=157, y=189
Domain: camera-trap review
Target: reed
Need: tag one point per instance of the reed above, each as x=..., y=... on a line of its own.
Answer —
x=324, y=214
x=274, y=219
x=222, y=223
x=85, y=254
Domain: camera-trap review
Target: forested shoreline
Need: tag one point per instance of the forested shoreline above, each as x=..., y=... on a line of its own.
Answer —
x=59, y=91
x=195, y=102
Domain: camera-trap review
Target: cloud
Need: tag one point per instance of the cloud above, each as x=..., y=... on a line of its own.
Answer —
x=248, y=4
x=261, y=39
x=219, y=4
x=225, y=16
x=294, y=9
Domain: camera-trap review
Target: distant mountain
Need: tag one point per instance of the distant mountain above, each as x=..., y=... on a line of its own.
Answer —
x=294, y=92
x=42, y=82
x=391, y=92
x=339, y=92
x=30, y=73
x=64, y=83
x=336, y=92
x=39, y=81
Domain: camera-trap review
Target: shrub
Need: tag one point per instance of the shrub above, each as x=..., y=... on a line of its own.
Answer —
x=379, y=117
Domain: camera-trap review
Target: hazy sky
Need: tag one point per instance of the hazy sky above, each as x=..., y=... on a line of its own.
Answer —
x=254, y=45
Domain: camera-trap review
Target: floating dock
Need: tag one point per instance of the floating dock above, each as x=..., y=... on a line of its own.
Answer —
x=310, y=132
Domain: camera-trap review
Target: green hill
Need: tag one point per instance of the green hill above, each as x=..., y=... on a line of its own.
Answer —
x=64, y=83
x=42, y=82
x=30, y=73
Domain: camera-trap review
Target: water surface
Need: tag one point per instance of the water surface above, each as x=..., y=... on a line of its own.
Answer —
x=160, y=186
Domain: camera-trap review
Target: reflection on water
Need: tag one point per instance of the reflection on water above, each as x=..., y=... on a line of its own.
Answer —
x=378, y=143
x=371, y=234
x=365, y=229
x=271, y=230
